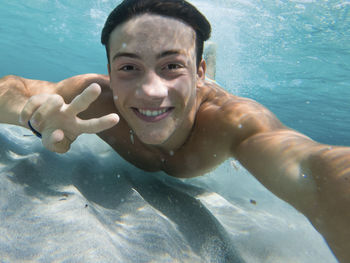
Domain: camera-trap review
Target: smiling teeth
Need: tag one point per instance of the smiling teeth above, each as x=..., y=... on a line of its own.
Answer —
x=153, y=113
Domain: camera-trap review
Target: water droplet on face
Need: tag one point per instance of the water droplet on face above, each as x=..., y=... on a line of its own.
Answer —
x=171, y=153
x=124, y=45
x=115, y=97
x=118, y=176
x=240, y=126
x=214, y=155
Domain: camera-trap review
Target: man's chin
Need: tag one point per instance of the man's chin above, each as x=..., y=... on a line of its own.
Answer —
x=153, y=142
x=154, y=139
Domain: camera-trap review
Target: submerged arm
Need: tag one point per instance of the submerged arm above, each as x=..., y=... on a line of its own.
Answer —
x=44, y=104
x=312, y=177
x=14, y=94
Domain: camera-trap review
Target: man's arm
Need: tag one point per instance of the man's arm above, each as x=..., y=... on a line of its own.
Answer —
x=14, y=94
x=53, y=108
x=312, y=177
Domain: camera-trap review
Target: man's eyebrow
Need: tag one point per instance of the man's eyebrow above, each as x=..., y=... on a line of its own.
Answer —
x=169, y=53
x=125, y=54
x=161, y=55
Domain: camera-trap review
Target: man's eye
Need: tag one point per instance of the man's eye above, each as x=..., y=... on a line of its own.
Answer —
x=127, y=68
x=173, y=66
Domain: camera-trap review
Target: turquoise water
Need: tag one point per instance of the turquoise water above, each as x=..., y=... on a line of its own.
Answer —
x=291, y=56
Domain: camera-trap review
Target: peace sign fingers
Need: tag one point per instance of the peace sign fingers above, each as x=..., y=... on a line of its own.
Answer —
x=97, y=125
x=83, y=100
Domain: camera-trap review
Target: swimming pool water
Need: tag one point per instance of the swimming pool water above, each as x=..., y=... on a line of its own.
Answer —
x=291, y=56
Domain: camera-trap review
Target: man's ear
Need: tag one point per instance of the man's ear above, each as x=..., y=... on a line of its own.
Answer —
x=201, y=70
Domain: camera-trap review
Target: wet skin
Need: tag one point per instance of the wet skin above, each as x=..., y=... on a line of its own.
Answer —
x=197, y=124
x=152, y=70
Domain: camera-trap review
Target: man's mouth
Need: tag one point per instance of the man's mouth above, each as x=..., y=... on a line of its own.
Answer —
x=153, y=115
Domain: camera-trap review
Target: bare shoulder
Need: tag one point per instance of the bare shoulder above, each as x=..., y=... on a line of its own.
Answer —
x=69, y=88
x=238, y=116
x=72, y=87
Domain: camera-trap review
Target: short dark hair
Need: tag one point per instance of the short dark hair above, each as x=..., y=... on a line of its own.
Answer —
x=178, y=9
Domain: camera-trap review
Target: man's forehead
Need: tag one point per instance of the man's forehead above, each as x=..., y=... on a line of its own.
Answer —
x=150, y=28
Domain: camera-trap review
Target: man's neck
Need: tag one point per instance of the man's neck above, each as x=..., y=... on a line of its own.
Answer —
x=182, y=134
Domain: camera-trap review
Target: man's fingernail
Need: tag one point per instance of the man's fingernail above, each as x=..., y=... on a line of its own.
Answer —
x=20, y=119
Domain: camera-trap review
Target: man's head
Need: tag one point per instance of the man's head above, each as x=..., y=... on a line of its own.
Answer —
x=178, y=9
x=155, y=65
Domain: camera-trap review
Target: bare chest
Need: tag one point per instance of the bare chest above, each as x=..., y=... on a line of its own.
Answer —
x=194, y=161
x=200, y=154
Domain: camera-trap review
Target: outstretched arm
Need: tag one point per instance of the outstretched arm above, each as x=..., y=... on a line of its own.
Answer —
x=44, y=103
x=15, y=92
x=312, y=177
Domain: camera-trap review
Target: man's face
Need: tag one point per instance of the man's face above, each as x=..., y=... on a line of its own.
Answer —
x=153, y=76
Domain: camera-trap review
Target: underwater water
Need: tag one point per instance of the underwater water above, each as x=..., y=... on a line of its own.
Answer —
x=91, y=206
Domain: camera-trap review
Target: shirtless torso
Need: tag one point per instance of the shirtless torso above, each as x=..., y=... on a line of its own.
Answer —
x=222, y=122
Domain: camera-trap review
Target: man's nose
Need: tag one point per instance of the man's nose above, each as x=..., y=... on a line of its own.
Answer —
x=152, y=87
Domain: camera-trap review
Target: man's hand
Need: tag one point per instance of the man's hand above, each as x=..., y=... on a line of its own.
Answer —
x=58, y=122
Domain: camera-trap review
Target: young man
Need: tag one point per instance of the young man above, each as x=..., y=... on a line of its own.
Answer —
x=159, y=112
